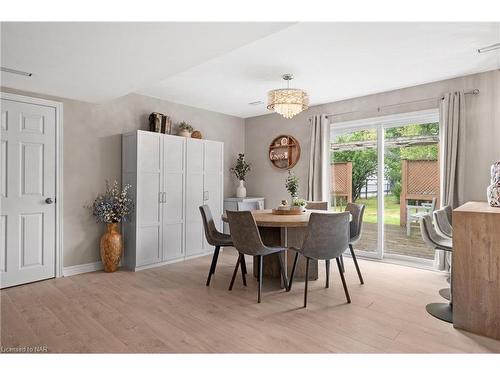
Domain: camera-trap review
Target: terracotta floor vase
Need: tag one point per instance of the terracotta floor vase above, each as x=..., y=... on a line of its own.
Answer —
x=111, y=247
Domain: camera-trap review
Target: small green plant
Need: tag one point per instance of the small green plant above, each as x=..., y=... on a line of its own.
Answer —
x=241, y=168
x=396, y=191
x=185, y=126
x=299, y=202
x=292, y=184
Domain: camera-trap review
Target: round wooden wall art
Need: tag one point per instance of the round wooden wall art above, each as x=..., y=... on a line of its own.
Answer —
x=284, y=152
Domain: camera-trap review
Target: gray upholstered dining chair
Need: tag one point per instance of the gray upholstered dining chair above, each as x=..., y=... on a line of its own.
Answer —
x=215, y=238
x=317, y=205
x=357, y=211
x=320, y=205
x=443, y=311
x=442, y=218
x=327, y=238
x=247, y=240
x=248, y=206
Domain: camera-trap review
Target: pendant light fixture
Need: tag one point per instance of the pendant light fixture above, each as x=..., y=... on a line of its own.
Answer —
x=287, y=102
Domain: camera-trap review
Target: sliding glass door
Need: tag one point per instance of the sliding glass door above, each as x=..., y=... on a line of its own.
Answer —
x=412, y=176
x=354, y=170
x=391, y=165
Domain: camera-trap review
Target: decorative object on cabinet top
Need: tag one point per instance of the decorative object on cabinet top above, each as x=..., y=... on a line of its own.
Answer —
x=185, y=129
x=160, y=123
x=196, y=134
x=284, y=152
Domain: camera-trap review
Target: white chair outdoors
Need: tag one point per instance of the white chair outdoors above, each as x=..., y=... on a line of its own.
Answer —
x=415, y=213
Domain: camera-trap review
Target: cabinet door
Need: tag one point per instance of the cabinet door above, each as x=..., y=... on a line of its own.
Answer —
x=173, y=187
x=194, y=197
x=212, y=184
x=149, y=186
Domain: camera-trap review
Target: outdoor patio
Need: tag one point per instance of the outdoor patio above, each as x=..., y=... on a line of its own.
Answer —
x=396, y=241
x=410, y=188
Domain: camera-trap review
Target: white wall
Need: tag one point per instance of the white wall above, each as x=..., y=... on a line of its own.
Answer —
x=482, y=133
x=92, y=154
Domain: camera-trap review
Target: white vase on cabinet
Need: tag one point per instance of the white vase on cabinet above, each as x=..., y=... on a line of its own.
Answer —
x=241, y=190
x=493, y=191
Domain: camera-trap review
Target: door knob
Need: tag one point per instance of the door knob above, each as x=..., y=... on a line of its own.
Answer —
x=49, y=201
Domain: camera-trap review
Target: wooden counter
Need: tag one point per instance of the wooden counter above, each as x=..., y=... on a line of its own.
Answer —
x=476, y=269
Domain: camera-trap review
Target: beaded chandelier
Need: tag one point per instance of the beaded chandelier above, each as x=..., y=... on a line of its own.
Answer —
x=287, y=102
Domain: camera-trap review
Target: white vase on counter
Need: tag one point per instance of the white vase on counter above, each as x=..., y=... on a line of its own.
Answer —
x=241, y=190
x=493, y=191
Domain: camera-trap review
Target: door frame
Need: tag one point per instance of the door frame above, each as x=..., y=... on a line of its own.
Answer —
x=380, y=124
x=58, y=106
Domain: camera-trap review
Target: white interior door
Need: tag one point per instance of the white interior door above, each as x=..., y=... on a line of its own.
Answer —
x=212, y=189
x=194, y=196
x=173, y=212
x=28, y=165
x=149, y=187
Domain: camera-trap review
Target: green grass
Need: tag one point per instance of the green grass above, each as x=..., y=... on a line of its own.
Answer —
x=391, y=210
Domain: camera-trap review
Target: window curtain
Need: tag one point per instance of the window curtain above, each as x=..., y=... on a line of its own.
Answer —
x=317, y=186
x=452, y=119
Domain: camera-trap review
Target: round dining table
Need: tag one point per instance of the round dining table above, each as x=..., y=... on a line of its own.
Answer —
x=284, y=231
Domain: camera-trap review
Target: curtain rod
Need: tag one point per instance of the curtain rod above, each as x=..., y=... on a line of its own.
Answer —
x=471, y=92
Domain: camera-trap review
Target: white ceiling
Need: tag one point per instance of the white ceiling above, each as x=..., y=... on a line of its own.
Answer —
x=223, y=67
x=100, y=61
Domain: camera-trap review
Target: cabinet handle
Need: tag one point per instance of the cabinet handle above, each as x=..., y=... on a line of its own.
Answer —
x=160, y=197
x=164, y=197
x=205, y=195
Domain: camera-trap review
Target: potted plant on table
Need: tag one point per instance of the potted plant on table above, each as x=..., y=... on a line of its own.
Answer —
x=292, y=186
x=112, y=208
x=299, y=203
x=185, y=129
x=240, y=170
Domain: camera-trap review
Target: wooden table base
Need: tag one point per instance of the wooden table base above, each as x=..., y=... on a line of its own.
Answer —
x=285, y=237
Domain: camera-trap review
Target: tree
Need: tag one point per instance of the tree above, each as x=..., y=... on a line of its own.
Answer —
x=364, y=162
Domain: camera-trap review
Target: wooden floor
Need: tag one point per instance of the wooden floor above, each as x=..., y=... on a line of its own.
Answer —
x=169, y=309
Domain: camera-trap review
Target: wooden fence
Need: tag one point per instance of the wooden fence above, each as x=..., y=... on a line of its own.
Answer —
x=341, y=180
x=419, y=182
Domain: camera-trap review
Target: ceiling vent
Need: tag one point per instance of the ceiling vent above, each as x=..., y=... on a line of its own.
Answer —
x=258, y=102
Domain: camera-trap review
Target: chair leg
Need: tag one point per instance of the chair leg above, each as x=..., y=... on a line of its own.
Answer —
x=243, y=269
x=327, y=273
x=342, y=263
x=235, y=272
x=283, y=271
x=261, y=262
x=307, y=282
x=293, y=271
x=244, y=265
x=343, y=282
x=356, y=264
x=212, y=266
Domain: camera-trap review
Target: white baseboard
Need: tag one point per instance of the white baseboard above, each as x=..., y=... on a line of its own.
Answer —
x=165, y=263
x=97, y=266
x=82, y=268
